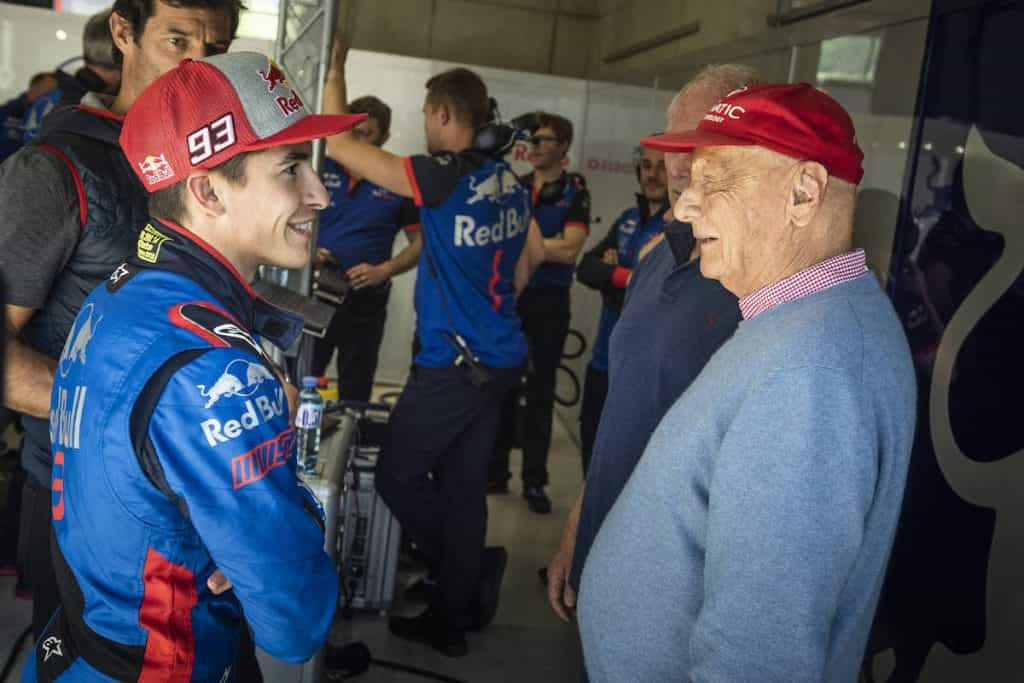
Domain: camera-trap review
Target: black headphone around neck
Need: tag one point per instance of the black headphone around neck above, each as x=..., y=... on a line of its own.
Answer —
x=495, y=138
x=552, y=191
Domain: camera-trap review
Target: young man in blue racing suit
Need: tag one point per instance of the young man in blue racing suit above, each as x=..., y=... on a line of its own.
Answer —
x=608, y=268
x=176, y=506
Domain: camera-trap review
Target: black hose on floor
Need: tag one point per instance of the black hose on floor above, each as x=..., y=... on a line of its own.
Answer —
x=422, y=673
x=13, y=656
x=352, y=659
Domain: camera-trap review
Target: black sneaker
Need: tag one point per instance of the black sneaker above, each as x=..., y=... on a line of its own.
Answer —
x=537, y=500
x=428, y=628
x=346, y=661
x=492, y=570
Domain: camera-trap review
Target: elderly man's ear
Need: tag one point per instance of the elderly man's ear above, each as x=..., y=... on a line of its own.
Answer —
x=808, y=193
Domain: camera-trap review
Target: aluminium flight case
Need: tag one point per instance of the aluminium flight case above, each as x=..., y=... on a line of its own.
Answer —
x=370, y=535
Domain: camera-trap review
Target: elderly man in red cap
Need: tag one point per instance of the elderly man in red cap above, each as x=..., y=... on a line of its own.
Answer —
x=751, y=541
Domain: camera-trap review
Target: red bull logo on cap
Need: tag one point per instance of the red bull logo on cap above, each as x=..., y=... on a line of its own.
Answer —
x=156, y=169
x=289, y=105
x=273, y=77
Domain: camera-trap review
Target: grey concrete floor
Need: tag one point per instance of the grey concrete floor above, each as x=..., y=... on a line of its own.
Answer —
x=526, y=642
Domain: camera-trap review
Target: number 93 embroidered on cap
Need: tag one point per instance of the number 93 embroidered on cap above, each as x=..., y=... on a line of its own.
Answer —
x=202, y=113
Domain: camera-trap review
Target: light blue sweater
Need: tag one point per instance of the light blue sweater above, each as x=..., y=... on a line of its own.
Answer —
x=751, y=541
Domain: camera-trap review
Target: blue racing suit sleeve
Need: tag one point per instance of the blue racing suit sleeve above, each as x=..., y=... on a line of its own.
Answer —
x=221, y=435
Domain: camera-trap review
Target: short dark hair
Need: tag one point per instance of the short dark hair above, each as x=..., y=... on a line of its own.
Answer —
x=97, y=44
x=561, y=126
x=463, y=92
x=138, y=12
x=40, y=76
x=169, y=202
x=374, y=108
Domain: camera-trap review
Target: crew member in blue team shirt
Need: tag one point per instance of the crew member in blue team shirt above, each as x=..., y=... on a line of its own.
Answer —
x=476, y=227
x=101, y=73
x=357, y=233
x=561, y=205
x=14, y=111
x=608, y=268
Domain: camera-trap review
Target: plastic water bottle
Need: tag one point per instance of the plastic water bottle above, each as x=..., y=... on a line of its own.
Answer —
x=307, y=423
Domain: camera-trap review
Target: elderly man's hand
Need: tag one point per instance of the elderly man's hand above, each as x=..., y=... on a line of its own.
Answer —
x=560, y=594
x=218, y=583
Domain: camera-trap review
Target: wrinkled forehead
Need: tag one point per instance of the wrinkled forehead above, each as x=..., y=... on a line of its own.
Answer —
x=716, y=159
x=745, y=159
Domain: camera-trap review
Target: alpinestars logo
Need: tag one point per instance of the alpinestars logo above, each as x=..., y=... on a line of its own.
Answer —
x=236, y=332
x=52, y=646
x=119, y=273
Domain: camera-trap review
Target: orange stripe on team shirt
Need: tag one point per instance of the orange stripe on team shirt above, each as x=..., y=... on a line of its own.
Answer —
x=417, y=198
x=495, y=279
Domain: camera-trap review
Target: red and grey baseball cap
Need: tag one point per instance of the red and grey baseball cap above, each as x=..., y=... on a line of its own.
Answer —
x=202, y=113
x=794, y=119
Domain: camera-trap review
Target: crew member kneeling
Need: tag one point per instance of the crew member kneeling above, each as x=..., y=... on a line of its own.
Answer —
x=173, y=454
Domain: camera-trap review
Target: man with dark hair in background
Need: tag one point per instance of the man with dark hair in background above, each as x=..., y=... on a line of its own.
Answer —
x=561, y=206
x=73, y=209
x=100, y=74
x=479, y=246
x=608, y=268
x=357, y=233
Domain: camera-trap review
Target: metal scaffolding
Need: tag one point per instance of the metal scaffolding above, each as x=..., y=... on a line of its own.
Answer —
x=305, y=29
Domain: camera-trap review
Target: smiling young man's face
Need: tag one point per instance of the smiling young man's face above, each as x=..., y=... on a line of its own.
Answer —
x=272, y=211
